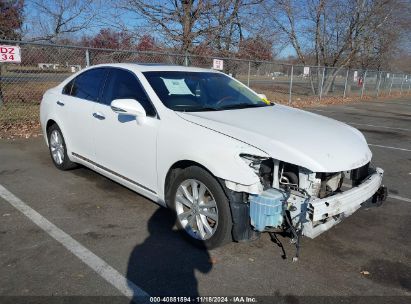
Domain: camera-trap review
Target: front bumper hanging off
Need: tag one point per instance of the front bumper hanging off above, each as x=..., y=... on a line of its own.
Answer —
x=326, y=212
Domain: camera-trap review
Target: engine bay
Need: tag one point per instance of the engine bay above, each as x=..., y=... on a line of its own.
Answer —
x=295, y=201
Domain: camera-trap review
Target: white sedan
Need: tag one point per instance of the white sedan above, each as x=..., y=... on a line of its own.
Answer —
x=227, y=161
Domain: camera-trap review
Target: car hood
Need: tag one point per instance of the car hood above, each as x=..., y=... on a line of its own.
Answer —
x=315, y=142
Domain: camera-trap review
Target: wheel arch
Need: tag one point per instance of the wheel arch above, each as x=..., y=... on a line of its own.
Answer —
x=49, y=123
x=173, y=171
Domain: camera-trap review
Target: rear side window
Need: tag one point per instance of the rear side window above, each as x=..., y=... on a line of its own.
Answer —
x=123, y=84
x=88, y=84
x=67, y=88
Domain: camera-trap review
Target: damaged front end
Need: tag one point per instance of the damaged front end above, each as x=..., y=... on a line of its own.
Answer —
x=295, y=201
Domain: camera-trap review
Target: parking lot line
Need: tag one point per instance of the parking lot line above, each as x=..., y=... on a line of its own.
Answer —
x=112, y=276
x=400, y=198
x=389, y=147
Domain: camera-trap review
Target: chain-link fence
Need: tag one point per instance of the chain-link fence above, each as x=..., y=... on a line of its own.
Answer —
x=44, y=66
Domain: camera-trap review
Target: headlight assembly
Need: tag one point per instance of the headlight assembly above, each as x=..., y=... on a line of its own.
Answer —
x=262, y=167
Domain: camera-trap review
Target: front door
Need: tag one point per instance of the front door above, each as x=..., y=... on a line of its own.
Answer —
x=124, y=145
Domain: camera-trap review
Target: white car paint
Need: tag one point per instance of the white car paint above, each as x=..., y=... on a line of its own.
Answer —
x=139, y=153
x=315, y=142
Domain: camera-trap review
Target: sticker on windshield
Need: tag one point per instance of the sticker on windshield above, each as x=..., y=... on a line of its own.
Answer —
x=176, y=87
x=264, y=99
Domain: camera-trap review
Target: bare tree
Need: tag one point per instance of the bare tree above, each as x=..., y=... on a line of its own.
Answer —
x=215, y=24
x=61, y=18
x=229, y=20
x=179, y=22
x=387, y=41
x=331, y=33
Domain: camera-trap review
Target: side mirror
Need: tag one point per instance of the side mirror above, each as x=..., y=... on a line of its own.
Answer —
x=262, y=96
x=128, y=107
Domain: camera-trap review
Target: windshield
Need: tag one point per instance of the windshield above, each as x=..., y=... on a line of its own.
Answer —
x=202, y=91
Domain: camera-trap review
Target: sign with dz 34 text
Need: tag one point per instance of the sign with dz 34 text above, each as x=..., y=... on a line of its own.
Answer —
x=10, y=53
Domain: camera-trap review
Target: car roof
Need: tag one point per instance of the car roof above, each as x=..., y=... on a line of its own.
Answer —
x=151, y=67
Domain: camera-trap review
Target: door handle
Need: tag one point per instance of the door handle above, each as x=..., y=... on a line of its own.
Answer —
x=60, y=103
x=98, y=116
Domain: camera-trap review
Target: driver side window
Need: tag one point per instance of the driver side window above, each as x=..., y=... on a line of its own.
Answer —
x=122, y=84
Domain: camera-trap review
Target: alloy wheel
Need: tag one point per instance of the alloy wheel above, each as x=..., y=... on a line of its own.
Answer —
x=57, y=147
x=196, y=209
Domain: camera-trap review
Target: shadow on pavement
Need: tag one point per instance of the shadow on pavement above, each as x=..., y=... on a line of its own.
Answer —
x=165, y=263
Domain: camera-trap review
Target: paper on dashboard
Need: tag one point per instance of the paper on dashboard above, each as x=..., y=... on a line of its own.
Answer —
x=176, y=87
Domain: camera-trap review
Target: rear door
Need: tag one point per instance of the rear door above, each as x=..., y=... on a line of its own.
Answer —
x=78, y=101
x=124, y=146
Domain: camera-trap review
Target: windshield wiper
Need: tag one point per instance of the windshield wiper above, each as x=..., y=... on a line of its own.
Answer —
x=196, y=109
x=244, y=106
x=228, y=107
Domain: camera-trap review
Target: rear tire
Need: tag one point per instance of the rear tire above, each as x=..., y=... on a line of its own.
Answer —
x=203, y=215
x=58, y=149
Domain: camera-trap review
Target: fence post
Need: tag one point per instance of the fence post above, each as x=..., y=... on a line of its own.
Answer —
x=1, y=89
x=291, y=84
x=346, y=82
x=87, y=58
x=322, y=83
x=185, y=59
x=363, y=84
x=392, y=80
x=379, y=83
x=248, y=75
x=402, y=83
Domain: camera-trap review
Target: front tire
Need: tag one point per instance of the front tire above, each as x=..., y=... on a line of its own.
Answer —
x=58, y=149
x=202, y=208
